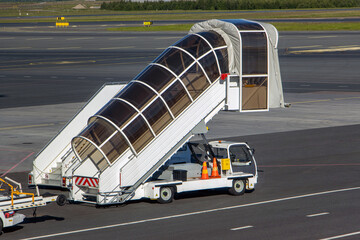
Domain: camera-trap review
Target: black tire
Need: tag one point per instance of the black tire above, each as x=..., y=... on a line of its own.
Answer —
x=166, y=195
x=61, y=200
x=1, y=227
x=238, y=187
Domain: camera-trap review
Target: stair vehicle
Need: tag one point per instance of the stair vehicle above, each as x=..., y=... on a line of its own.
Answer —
x=15, y=200
x=117, y=148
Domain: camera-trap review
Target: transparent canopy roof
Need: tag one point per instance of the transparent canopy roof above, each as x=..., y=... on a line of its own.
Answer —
x=163, y=90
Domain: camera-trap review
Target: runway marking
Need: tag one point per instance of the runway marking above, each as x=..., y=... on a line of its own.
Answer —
x=326, y=100
x=332, y=49
x=62, y=62
x=121, y=38
x=305, y=85
x=322, y=36
x=34, y=39
x=14, y=150
x=343, y=86
x=313, y=101
x=341, y=236
x=317, y=214
x=6, y=38
x=313, y=46
x=2, y=76
x=27, y=126
x=15, y=48
x=241, y=228
x=194, y=213
x=63, y=48
x=17, y=164
x=108, y=48
x=83, y=38
x=312, y=165
x=159, y=38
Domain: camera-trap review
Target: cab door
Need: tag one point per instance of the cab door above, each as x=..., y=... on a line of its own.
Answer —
x=241, y=159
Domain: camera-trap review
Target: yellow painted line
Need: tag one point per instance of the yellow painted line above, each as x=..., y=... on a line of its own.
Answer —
x=326, y=100
x=327, y=50
x=116, y=48
x=15, y=48
x=346, y=98
x=347, y=46
x=322, y=37
x=63, y=62
x=159, y=38
x=27, y=126
x=34, y=39
x=121, y=38
x=313, y=101
x=313, y=46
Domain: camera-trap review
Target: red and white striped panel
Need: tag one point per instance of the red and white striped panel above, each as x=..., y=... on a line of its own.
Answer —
x=87, y=182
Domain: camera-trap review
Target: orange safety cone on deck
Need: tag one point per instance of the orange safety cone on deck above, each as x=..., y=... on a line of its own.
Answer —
x=215, y=170
x=204, y=173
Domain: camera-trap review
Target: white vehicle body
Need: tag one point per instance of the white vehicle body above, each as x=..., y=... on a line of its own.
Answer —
x=17, y=200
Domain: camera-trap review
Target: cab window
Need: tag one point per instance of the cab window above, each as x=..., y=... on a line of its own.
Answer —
x=239, y=156
x=220, y=152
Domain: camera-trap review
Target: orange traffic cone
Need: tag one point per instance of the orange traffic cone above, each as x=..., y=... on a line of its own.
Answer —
x=204, y=173
x=215, y=170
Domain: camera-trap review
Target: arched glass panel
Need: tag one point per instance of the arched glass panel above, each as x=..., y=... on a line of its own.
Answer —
x=195, y=81
x=176, y=98
x=138, y=133
x=86, y=149
x=222, y=56
x=254, y=53
x=254, y=93
x=157, y=77
x=195, y=45
x=157, y=115
x=115, y=147
x=137, y=94
x=242, y=24
x=175, y=59
x=214, y=38
x=118, y=112
x=98, y=131
x=210, y=66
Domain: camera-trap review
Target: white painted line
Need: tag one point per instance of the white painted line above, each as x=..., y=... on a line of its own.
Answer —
x=53, y=77
x=34, y=39
x=305, y=85
x=195, y=213
x=241, y=228
x=317, y=214
x=83, y=38
x=341, y=236
x=343, y=86
x=27, y=76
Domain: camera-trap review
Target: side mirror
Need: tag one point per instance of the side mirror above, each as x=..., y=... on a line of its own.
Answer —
x=253, y=150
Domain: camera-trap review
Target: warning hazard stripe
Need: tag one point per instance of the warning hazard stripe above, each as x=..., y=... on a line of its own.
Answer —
x=87, y=182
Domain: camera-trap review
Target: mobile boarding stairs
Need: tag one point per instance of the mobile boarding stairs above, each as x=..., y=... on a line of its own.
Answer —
x=126, y=132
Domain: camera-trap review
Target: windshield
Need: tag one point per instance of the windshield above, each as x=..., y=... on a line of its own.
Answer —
x=220, y=152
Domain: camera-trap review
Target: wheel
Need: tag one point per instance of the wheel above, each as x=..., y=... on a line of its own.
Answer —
x=61, y=200
x=1, y=227
x=166, y=195
x=238, y=187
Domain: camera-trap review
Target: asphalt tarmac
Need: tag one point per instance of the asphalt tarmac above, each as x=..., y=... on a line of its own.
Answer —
x=308, y=155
